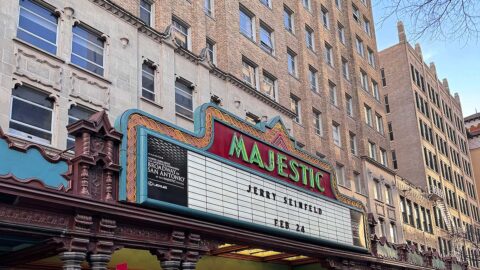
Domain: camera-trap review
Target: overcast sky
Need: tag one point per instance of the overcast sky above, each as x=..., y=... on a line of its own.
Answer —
x=455, y=60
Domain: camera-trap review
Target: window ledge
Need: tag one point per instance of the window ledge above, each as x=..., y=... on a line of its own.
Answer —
x=90, y=73
x=17, y=40
x=154, y=103
x=184, y=117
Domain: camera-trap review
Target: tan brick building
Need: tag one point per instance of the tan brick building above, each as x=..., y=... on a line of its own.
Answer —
x=429, y=143
x=472, y=123
x=313, y=63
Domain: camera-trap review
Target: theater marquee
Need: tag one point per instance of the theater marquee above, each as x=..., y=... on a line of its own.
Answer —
x=233, y=173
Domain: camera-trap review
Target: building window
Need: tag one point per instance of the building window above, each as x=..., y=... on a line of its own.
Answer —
x=181, y=33
x=359, y=184
x=387, y=104
x=87, y=49
x=379, y=121
x=383, y=157
x=377, y=190
x=309, y=38
x=359, y=46
x=366, y=26
x=345, y=69
x=338, y=3
x=148, y=81
x=146, y=12
x=329, y=54
x=355, y=13
x=268, y=85
x=384, y=79
x=266, y=38
x=353, y=144
x=337, y=139
x=31, y=115
x=208, y=7
x=37, y=25
x=340, y=173
x=368, y=115
x=249, y=73
x=375, y=91
x=393, y=232
x=312, y=78
x=364, y=80
x=288, y=19
x=306, y=4
x=388, y=195
x=332, y=88
x=341, y=33
x=394, y=160
x=246, y=23
x=317, y=122
x=295, y=107
x=390, y=131
x=349, y=105
x=212, y=51
x=76, y=113
x=183, y=99
x=292, y=67
x=371, y=57
x=372, y=150
x=267, y=3
x=325, y=18
x=382, y=227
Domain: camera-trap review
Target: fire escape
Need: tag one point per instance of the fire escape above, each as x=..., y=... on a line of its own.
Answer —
x=455, y=231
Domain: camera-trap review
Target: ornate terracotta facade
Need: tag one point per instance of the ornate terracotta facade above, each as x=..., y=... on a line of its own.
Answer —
x=85, y=222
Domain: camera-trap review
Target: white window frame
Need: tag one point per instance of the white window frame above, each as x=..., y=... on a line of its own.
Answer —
x=292, y=57
x=212, y=52
x=153, y=79
x=181, y=23
x=372, y=150
x=325, y=17
x=336, y=134
x=290, y=13
x=27, y=136
x=359, y=46
x=150, y=12
x=313, y=79
x=274, y=84
x=251, y=17
x=341, y=33
x=329, y=54
x=309, y=38
x=332, y=89
x=349, y=105
x=254, y=77
x=345, y=69
x=368, y=115
x=380, y=127
x=295, y=106
x=43, y=19
x=353, y=143
x=340, y=174
x=264, y=28
x=317, y=122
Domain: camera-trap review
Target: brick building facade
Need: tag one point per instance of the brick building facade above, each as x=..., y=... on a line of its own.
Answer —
x=429, y=144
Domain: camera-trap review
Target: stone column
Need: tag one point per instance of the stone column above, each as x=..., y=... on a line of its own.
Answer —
x=99, y=261
x=72, y=260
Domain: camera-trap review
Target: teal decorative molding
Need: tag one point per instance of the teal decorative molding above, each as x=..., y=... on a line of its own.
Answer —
x=31, y=163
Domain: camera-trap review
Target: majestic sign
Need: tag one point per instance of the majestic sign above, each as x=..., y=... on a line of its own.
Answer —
x=231, y=172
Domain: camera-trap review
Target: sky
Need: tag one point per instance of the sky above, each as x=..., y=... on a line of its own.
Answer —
x=456, y=60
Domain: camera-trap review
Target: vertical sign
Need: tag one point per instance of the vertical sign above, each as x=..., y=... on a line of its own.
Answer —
x=167, y=171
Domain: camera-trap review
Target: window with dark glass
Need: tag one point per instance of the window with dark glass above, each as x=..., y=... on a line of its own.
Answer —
x=146, y=12
x=148, y=81
x=87, y=49
x=37, y=25
x=266, y=38
x=31, y=115
x=183, y=99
